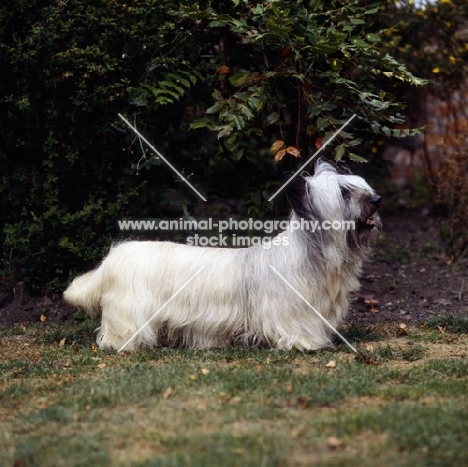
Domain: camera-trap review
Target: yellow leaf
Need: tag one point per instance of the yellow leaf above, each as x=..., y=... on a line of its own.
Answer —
x=334, y=443
x=193, y=377
x=62, y=342
x=436, y=70
x=43, y=318
x=293, y=151
x=168, y=393
x=371, y=301
x=280, y=155
x=101, y=365
x=276, y=146
x=402, y=330
x=236, y=400
x=331, y=364
x=204, y=371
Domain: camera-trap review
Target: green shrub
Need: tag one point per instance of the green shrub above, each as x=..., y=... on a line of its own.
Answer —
x=214, y=85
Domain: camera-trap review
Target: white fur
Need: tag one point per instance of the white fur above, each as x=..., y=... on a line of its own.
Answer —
x=237, y=296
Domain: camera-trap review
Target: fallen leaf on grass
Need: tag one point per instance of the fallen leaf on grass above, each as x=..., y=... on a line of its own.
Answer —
x=101, y=365
x=62, y=342
x=303, y=402
x=167, y=393
x=364, y=356
x=297, y=432
x=204, y=371
x=43, y=318
x=236, y=400
x=402, y=330
x=331, y=364
x=334, y=443
x=193, y=377
x=441, y=329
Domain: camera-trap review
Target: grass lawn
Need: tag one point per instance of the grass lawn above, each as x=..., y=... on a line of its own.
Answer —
x=401, y=400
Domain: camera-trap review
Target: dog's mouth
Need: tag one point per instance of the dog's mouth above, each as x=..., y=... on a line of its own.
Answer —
x=372, y=220
x=368, y=223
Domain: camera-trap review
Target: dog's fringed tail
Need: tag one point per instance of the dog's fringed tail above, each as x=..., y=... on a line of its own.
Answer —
x=85, y=292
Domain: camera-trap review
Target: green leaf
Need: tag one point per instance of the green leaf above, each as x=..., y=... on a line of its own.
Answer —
x=247, y=112
x=386, y=131
x=356, y=158
x=204, y=122
x=339, y=152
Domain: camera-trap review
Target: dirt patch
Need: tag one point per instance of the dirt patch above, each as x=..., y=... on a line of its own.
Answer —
x=409, y=278
x=38, y=309
x=20, y=347
x=455, y=346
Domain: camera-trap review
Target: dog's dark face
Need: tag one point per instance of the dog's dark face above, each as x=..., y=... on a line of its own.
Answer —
x=332, y=198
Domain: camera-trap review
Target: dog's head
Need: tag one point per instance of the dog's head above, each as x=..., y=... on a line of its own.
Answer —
x=339, y=202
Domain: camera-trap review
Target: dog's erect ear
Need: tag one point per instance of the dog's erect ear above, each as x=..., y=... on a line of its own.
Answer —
x=323, y=165
x=296, y=192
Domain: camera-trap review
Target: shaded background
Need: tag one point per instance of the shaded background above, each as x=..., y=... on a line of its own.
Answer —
x=231, y=93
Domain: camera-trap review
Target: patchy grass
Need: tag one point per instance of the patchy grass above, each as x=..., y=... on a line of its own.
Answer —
x=449, y=323
x=400, y=401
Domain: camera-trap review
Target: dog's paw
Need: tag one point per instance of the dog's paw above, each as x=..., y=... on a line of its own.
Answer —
x=299, y=343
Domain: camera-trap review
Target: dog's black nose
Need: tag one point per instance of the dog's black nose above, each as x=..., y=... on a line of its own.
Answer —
x=376, y=200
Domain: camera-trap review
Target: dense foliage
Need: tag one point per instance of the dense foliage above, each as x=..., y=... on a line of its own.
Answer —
x=214, y=85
